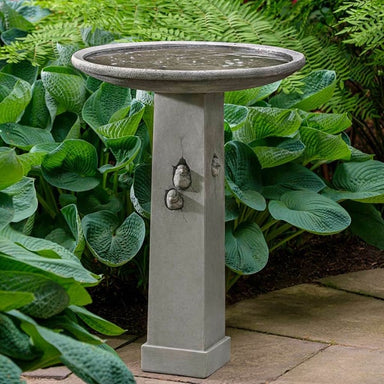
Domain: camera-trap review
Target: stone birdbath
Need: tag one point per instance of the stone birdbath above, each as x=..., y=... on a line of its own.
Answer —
x=186, y=318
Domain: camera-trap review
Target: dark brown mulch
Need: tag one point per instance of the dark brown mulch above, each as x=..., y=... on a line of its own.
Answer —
x=313, y=258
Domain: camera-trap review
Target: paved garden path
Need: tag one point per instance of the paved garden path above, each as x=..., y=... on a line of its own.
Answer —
x=331, y=332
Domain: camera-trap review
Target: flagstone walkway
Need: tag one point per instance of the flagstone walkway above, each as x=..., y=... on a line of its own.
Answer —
x=330, y=332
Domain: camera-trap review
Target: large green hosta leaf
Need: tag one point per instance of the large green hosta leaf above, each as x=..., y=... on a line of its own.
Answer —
x=9, y=372
x=24, y=137
x=24, y=200
x=264, y=122
x=243, y=174
x=66, y=87
x=73, y=220
x=141, y=190
x=12, y=300
x=37, y=114
x=360, y=181
x=13, y=341
x=246, y=250
x=123, y=123
x=66, y=126
x=331, y=123
x=274, y=151
x=97, y=323
x=124, y=149
x=235, y=116
x=72, y=166
x=251, y=96
x=318, y=88
x=104, y=103
x=98, y=200
x=321, y=146
x=24, y=69
x=15, y=257
x=11, y=169
x=92, y=364
x=6, y=210
x=367, y=222
x=310, y=211
x=110, y=243
x=15, y=95
x=49, y=297
x=289, y=177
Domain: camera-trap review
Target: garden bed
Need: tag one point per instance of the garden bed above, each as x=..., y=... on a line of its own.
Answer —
x=314, y=258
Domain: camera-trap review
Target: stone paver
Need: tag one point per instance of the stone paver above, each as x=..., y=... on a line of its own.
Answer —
x=58, y=373
x=365, y=282
x=72, y=379
x=314, y=313
x=256, y=358
x=339, y=365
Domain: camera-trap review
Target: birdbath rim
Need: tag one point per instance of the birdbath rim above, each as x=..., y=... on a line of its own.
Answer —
x=280, y=63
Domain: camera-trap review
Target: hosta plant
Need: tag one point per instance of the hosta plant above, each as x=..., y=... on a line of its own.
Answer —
x=76, y=160
x=43, y=321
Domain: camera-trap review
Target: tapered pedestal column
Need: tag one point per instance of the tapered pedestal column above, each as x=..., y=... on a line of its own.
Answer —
x=186, y=319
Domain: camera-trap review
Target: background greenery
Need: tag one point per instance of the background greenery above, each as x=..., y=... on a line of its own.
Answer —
x=75, y=156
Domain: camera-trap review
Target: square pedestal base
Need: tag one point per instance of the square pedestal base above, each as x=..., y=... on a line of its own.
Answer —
x=185, y=362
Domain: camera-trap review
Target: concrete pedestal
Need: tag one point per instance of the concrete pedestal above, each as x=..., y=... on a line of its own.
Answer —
x=186, y=319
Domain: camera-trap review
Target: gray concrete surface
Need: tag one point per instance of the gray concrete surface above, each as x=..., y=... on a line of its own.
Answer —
x=275, y=339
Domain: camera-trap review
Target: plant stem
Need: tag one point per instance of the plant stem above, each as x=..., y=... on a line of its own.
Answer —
x=115, y=182
x=46, y=206
x=230, y=279
x=282, y=242
x=278, y=231
x=269, y=225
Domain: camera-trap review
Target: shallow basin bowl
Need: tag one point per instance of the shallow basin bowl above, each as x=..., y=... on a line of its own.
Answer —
x=188, y=66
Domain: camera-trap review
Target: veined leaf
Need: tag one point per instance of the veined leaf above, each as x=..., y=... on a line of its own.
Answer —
x=7, y=210
x=73, y=220
x=276, y=151
x=124, y=149
x=12, y=300
x=97, y=323
x=141, y=190
x=331, y=123
x=98, y=200
x=23, y=137
x=243, y=175
x=105, y=368
x=110, y=243
x=15, y=95
x=104, y=103
x=66, y=126
x=264, y=122
x=231, y=209
x=123, y=127
x=24, y=70
x=36, y=113
x=14, y=342
x=9, y=371
x=318, y=88
x=65, y=86
x=367, y=223
x=49, y=297
x=251, y=96
x=30, y=160
x=246, y=250
x=40, y=246
x=359, y=181
x=72, y=166
x=24, y=200
x=321, y=146
x=289, y=177
x=310, y=211
x=11, y=170
x=235, y=115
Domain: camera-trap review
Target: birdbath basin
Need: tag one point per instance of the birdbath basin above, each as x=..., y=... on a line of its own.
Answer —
x=186, y=314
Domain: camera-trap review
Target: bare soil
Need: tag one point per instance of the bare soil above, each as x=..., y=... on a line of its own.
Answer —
x=311, y=259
